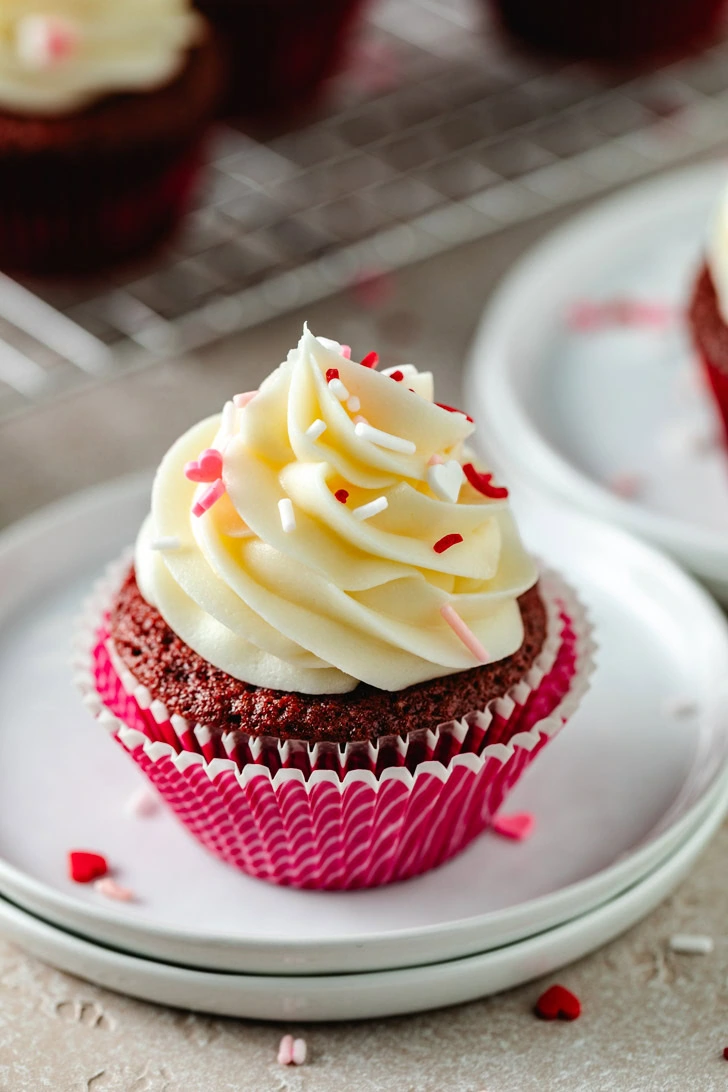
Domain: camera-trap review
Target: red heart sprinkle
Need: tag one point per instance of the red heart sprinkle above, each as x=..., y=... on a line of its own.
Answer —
x=397, y=376
x=84, y=866
x=558, y=1003
x=341, y=495
x=481, y=482
x=370, y=360
x=207, y=468
x=332, y=373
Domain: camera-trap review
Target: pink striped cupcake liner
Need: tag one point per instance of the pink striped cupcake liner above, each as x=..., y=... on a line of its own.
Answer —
x=331, y=817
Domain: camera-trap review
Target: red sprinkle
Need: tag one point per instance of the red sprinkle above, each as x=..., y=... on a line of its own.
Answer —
x=370, y=360
x=332, y=373
x=452, y=409
x=558, y=1003
x=341, y=495
x=397, y=376
x=84, y=866
x=446, y=542
x=481, y=482
x=725, y=1053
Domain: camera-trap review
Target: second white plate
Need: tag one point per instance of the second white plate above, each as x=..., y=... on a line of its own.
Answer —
x=623, y=786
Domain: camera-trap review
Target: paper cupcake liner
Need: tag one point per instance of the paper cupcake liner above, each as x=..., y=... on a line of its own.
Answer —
x=96, y=211
x=330, y=817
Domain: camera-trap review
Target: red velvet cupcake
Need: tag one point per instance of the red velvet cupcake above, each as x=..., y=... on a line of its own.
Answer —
x=332, y=654
x=612, y=30
x=279, y=52
x=103, y=108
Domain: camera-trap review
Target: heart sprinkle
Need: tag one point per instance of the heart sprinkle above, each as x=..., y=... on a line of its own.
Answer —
x=370, y=360
x=482, y=482
x=206, y=468
x=292, y=1051
x=341, y=495
x=518, y=826
x=446, y=542
x=85, y=866
x=397, y=376
x=558, y=1003
x=465, y=633
x=445, y=480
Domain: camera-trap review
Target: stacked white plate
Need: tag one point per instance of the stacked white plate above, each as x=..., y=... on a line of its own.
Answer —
x=588, y=415
x=624, y=800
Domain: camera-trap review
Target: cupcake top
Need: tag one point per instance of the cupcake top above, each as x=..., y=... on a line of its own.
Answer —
x=57, y=56
x=332, y=528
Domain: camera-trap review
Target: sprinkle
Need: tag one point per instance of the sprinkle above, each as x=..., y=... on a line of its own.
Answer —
x=680, y=706
x=558, y=1003
x=445, y=480
x=292, y=1051
x=332, y=373
x=359, y=420
x=240, y=401
x=342, y=495
x=113, y=890
x=206, y=468
x=373, y=508
x=337, y=387
x=434, y=460
x=370, y=360
x=142, y=803
x=627, y=485
x=463, y=631
x=346, y=352
x=354, y=404
x=84, y=865
x=397, y=375
x=518, y=826
x=385, y=439
x=481, y=482
x=446, y=542
x=314, y=431
x=288, y=516
x=452, y=409
x=44, y=40
x=209, y=497
x=165, y=542
x=725, y=1053
x=688, y=944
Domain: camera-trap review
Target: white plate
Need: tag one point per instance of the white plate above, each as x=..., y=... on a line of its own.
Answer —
x=358, y=996
x=570, y=412
x=638, y=780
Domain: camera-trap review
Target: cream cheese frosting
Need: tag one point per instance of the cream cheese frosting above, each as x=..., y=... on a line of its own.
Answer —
x=344, y=539
x=57, y=56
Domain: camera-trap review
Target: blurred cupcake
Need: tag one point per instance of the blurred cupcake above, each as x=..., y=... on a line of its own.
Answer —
x=103, y=105
x=332, y=654
x=279, y=52
x=612, y=30
x=708, y=313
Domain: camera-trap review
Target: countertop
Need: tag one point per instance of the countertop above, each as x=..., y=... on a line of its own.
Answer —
x=652, y=1020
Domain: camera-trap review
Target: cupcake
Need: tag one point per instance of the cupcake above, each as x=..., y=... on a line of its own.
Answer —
x=279, y=52
x=103, y=106
x=708, y=314
x=331, y=653
x=612, y=30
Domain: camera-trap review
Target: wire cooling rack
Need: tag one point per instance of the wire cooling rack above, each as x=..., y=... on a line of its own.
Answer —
x=438, y=133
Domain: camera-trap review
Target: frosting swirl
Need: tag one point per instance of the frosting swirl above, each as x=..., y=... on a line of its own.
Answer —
x=59, y=55
x=282, y=583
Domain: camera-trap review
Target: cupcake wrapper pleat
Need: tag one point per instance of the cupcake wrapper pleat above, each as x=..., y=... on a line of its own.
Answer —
x=330, y=817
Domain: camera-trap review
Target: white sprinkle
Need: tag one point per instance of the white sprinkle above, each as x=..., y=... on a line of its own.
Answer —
x=288, y=516
x=314, y=431
x=384, y=439
x=113, y=890
x=166, y=542
x=680, y=706
x=337, y=387
x=142, y=803
x=689, y=944
x=354, y=404
x=373, y=508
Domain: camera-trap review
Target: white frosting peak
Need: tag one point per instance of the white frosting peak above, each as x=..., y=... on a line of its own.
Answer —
x=57, y=56
x=341, y=584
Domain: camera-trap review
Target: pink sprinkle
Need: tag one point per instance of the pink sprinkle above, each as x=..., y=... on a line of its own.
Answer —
x=359, y=420
x=341, y=495
x=397, y=376
x=332, y=373
x=113, y=890
x=370, y=360
x=435, y=460
x=465, y=633
x=292, y=1051
x=207, y=468
x=44, y=40
x=518, y=826
x=446, y=542
x=346, y=351
x=209, y=497
x=142, y=803
x=627, y=485
x=240, y=401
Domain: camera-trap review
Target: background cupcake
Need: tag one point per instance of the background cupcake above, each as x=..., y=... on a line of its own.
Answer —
x=708, y=313
x=333, y=655
x=103, y=105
